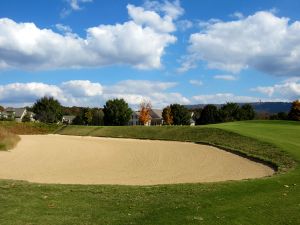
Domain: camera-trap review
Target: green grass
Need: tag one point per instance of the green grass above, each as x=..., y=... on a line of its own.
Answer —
x=273, y=200
x=29, y=128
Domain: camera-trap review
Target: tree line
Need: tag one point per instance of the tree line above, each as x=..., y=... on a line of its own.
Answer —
x=116, y=112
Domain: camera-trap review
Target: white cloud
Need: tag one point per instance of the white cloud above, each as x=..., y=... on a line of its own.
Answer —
x=63, y=28
x=16, y=93
x=139, y=42
x=184, y=25
x=196, y=82
x=82, y=88
x=221, y=98
x=204, y=24
x=134, y=91
x=150, y=18
x=87, y=93
x=288, y=89
x=225, y=77
x=261, y=41
x=73, y=5
x=237, y=15
x=170, y=9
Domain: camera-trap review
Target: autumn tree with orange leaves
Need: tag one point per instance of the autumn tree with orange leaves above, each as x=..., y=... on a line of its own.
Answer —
x=144, y=117
x=167, y=115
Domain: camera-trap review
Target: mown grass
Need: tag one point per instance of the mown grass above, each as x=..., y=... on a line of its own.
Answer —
x=272, y=200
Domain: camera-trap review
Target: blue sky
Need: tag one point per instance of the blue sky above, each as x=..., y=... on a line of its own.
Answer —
x=83, y=52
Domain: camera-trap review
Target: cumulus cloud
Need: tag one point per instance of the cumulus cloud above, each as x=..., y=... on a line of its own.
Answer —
x=221, y=98
x=87, y=93
x=288, y=89
x=225, y=77
x=139, y=42
x=134, y=91
x=169, y=8
x=82, y=88
x=27, y=92
x=150, y=18
x=261, y=41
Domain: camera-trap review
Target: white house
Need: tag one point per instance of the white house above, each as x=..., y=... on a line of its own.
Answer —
x=155, y=118
x=67, y=119
x=16, y=114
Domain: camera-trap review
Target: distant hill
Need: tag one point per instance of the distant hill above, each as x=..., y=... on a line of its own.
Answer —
x=267, y=107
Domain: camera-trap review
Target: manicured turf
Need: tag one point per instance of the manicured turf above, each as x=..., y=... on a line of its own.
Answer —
x=274, y=200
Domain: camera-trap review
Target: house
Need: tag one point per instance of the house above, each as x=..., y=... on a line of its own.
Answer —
x=3, y=115
x=68, y=119
x=16, y=114
x=134, y=120
x=155, y=118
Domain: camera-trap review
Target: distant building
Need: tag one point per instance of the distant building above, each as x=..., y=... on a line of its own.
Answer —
x=3, y=115
x=68, y=119
x=16, y=114
x=155, y=118
x=134, y=120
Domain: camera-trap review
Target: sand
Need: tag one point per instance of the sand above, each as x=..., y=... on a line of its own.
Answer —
x=94, y=160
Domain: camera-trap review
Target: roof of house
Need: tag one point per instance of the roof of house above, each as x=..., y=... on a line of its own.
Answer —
x=18, y=111
x=156, y=113
x=136, y=113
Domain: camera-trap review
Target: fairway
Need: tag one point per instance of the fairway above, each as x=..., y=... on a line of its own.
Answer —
x=90, y=160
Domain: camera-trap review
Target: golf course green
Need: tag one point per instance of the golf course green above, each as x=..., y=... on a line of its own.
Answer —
x=270, y=200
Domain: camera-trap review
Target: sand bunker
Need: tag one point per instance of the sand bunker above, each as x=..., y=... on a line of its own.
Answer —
x=91, y=160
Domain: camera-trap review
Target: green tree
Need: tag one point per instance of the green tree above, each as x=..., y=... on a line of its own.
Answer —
x=209, y=114
x=294, y=113
x=98, y=118
x=47, y=110
x=78, y=120
x=229, y=112
x=26, y=118
x=246, y=112
x=88, y=116
x=1, y=108
x=116, y=112
x=181, y=115
x=196, y=114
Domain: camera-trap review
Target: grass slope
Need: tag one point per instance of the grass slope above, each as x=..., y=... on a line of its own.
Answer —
x=274, y=200
x=8, y=140
x=29, y=128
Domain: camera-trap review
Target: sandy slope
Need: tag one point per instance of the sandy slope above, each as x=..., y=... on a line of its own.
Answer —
x=90, y=160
